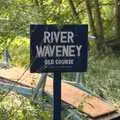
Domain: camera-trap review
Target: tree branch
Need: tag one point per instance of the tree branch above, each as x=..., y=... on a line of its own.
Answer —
x=75, y=13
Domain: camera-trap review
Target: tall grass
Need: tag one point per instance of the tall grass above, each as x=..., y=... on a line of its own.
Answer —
x=103, y=77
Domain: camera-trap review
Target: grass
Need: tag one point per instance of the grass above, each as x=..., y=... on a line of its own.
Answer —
x=103, y=77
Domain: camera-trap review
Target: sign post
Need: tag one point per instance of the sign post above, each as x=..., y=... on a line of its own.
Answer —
x=57, y=96
x=58, y=49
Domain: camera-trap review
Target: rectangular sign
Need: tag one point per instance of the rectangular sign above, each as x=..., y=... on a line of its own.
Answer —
x=58, y=48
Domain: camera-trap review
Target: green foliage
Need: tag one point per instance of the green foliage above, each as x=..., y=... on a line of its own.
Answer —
x=17, y=15
x=19, y=51
x=68, y=76
x=16, y=107
x=102, y=77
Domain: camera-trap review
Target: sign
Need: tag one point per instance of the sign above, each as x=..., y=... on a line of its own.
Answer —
x=58, y=49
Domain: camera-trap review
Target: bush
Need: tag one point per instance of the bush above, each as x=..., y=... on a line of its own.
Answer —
x=19, y=51
x=17, y=107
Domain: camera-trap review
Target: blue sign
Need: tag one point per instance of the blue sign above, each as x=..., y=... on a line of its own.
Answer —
x=58, y=48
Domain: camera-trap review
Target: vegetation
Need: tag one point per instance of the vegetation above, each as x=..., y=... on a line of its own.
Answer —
x=17, y=107
x=102, y=77
x=102, y=16
x=19, y=50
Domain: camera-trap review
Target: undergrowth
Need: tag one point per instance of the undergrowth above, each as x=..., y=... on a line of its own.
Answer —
x=102, y=77
x=17, y=107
